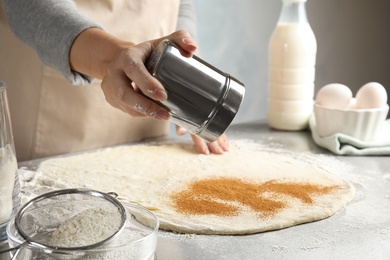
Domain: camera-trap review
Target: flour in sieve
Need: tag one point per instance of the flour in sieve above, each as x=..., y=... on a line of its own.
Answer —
x=86, y=228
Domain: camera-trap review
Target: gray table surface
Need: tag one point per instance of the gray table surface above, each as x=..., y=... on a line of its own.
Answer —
x=359, y=231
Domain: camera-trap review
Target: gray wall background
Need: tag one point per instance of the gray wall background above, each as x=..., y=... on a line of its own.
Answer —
x=353, y=38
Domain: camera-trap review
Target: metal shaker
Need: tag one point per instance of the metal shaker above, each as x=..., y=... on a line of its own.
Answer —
x=201, y=98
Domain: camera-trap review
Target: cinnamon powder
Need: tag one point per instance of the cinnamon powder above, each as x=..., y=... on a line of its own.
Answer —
x=226, y=196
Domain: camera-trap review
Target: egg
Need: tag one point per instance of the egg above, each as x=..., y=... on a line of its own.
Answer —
x=371, y=95
x=335, y=95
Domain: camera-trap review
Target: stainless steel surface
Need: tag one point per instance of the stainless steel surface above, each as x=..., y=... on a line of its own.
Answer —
x=201, y=98
x=359, y=231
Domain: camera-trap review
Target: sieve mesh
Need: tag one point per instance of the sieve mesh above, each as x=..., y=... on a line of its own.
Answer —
x=72, y=219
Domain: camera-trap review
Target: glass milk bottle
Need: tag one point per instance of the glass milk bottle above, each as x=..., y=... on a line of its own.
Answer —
x=9, y=182
x=292, y=56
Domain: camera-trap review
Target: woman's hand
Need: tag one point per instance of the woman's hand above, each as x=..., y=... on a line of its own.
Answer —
x=219, y=146
x=125, y=79
x=121, y=66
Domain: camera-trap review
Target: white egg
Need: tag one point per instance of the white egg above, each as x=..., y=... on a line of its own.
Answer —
x=334, y=95
x=371, y=95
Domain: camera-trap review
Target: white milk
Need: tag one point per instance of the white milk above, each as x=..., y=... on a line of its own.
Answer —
x=8, y=167
x=292, y=58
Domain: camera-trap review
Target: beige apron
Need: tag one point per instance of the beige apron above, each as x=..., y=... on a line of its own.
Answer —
x=49, y=115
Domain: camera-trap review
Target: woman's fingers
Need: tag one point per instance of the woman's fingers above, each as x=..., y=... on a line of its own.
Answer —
x=130, y=87
x=134, y=64
x=134, y=68
x=185, y=42
x=180, y=130
x=218, y=147
x=121, y=94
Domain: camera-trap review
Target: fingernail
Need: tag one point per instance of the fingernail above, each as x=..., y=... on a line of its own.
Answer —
x=188, y=40
x=161, y=95
x=226, y=146
x=181, y=131
x=158, y=94
x=162, y=115
x=218, y=150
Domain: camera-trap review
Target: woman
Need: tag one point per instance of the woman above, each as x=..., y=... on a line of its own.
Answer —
x=101, y=45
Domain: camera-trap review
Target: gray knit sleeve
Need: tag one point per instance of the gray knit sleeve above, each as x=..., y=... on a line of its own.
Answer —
x=49, y=27
x=187, y=18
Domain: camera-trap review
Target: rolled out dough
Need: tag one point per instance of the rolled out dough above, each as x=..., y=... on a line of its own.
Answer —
x=150, y=175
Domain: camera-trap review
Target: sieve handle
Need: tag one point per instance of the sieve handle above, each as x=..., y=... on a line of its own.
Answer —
x=16, y=248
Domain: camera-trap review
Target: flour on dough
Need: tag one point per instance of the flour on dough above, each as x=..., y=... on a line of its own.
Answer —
x=149, y=174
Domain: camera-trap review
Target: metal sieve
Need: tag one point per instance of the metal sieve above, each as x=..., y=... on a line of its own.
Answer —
x=69, y=220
